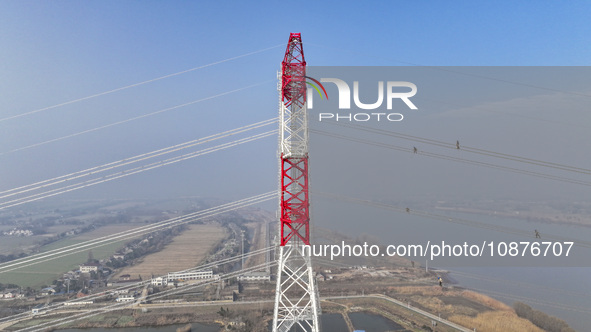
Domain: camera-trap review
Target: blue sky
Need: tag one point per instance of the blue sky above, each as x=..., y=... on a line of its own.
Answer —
x=56, y=51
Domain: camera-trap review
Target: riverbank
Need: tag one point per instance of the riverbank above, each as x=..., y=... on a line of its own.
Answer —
x=466, y=308
x=399, y=290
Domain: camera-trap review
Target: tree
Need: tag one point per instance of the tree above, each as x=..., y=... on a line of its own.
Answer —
x=222, y=312
x=225, y=312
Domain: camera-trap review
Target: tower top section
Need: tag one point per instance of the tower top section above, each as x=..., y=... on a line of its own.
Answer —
x=294, y=54
x=293, y=67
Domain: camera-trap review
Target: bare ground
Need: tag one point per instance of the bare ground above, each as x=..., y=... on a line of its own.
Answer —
x=185, y=251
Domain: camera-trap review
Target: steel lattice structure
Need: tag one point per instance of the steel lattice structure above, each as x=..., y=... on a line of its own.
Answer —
x=296, y=298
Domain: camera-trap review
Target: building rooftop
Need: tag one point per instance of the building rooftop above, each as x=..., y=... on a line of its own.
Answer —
x=90, y=264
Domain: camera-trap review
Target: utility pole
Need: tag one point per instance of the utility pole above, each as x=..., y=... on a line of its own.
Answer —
x=242, y=234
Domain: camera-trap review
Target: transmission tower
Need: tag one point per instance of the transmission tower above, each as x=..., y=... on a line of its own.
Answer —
x=296, y=297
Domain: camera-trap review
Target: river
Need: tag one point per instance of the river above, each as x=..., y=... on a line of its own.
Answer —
x=561, y=292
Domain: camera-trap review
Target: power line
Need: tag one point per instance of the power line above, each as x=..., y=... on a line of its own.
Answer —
x=448, y=70
x=134, y=159
x=135, y=170
x=129, y=234
x=457, y=159
x=135, y=118
x=132, y=233
x=468, y=148
x=140, y=83
x=440, y=217
x=141, y=283
x=119, y=306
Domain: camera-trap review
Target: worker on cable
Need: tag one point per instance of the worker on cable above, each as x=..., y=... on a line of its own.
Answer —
x=538, y=236
x=458, y=145
x=415, y=150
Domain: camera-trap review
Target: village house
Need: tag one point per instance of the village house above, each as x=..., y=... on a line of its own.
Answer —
x=125, y=298
x=47, y=291
x=90, y=267
x=254, y=277
x=11, y=294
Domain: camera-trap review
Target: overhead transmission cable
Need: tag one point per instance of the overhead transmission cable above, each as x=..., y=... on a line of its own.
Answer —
x=127, y=172
x=141, y=283
x=451, y=158
x=447, y=69
x=134, y=118
x=67, y=252
x=133, y=233
x=119, y=306
x=456, y=220
x=475, y=150
x=140, y=83
x=134, y=159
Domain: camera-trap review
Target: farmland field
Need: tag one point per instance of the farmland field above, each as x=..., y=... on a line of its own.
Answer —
x=8, y=244
x=185, y=251
x=45, y=272
x=99, y=232
x=17, y=244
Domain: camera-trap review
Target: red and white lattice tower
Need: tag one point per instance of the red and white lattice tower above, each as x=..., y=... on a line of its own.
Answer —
x=296, y=298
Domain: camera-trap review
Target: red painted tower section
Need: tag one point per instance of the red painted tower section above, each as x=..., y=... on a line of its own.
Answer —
x=295, y=217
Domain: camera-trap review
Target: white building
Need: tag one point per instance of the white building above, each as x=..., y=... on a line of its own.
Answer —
x=12, y=295
x=125, y=298
x=18, y=232
x=78, y=303
x=159, y=281
x=183, y=276
x=172, y=276
x=38, y=309
x=255, y=276
x=47, y=291
x=90, y=267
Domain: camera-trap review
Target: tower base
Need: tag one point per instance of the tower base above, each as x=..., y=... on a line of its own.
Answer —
x=296, y=298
